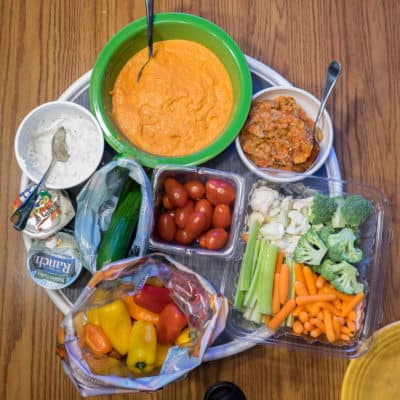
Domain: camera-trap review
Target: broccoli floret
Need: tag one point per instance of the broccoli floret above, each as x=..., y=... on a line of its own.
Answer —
x=322, y=209
x=338, y=220
x=325, y=232
x=341, y=246
x=342, y=275
x=310, y=248
x=356, y=210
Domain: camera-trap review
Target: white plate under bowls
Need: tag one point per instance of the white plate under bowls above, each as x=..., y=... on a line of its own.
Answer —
x=310, y=105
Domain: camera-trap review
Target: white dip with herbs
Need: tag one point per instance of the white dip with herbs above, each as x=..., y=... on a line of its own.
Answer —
x=84, y=145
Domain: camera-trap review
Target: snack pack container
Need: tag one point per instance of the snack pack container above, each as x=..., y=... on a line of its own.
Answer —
x=186, y=174
x=375, y=236
x=96, y=203
x=205, y=309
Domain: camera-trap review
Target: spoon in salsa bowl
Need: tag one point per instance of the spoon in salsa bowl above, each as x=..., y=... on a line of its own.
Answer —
x=332, y=75
x=149, y=15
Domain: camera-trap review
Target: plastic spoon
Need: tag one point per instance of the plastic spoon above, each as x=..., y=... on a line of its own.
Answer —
x=332, y=74
x=59, y=153
x=149, y=15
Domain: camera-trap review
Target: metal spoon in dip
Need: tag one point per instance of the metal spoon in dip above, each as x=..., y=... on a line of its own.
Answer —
x=59, y=153
x=332, y=75
x=149, y=15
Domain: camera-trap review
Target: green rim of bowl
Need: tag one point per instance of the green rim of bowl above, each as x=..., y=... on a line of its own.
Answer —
x=139, y=26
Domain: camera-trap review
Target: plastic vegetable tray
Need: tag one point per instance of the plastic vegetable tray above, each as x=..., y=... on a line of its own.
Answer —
x=211, y=268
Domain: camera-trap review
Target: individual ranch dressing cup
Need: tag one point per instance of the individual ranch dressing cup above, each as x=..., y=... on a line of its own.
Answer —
x=84, y=140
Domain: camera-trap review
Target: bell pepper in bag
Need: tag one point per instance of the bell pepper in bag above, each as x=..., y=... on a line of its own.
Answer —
x=142, y=348
x=139, y=313
x=153, y=298
x=171, y=323
x=95, y=338
x=116, y=323
x=161, y=355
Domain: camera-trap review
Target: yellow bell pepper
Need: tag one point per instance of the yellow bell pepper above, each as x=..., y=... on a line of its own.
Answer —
x=93, y=316
x=142, y=348
x=116, y=323
x=185, y=337
x=161, y=355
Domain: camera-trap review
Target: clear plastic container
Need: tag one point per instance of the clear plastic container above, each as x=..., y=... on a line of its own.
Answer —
x=185, y=174
x=375, y=236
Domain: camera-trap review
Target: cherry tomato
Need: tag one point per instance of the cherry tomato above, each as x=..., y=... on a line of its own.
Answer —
x=219, y=192
x=195, y=223
x=206, y=208
x=166, y=227
x=166, y=202
x=221, y=217
x=172, y=213
x=203, y=241
x=183, y=236
x=182, y=214
x=216, y=238
x=195, y=189
x=176, y=192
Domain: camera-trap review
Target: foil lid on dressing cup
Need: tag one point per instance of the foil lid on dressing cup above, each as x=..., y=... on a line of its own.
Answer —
x=52, y=211
x=55, y=262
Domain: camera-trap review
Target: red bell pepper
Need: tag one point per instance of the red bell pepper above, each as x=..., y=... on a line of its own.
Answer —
x=170, y=324
x=153, y=298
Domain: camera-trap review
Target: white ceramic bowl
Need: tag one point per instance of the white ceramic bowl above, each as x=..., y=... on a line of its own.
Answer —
x=310, y=105
x=84, y=140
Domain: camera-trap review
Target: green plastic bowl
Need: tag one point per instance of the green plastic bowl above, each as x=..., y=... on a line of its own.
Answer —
x=133, y=38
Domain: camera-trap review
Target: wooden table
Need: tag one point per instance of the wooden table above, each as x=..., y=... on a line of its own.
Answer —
x=46, y=45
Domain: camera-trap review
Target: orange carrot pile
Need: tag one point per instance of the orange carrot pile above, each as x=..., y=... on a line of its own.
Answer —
x=321, y=309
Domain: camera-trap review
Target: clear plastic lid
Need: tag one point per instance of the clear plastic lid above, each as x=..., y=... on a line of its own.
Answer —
x=186, y=174
x=374, y=238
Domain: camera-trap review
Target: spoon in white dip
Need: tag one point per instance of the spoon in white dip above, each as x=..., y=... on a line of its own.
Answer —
x=59, y=153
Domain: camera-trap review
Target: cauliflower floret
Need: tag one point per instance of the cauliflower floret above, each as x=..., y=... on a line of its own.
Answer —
x=299, y=223
x=302, y=204
x=262, y=199
x=273, y=212
x=288, y=244
x=286, y=205
x=254, y=216
x=272, y=231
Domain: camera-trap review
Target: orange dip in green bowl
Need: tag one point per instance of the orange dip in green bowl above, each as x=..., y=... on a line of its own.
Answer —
x=217, y=99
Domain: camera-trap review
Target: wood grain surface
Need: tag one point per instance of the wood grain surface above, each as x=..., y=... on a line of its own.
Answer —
x=46, y=45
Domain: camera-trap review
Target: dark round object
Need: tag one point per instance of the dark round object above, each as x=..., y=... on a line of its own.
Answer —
x=224, y=391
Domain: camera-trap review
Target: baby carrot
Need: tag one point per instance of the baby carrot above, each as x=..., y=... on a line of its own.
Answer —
x=284, y=283
x=337, y=303
x=298, y=271
x=303, y=316
x=329, y=306
x=347, y=307
x=329, y=332
x=279, y=261
x=302, y=300
x=310, y=280
x=282, y=314
x=275, y=294
x=315, y=332
x=267, y=318
x=313, y=309
x=346, y=330
x=345, y=337
x=300, y=289
x=351, y=325
x=297, y=311
x=336, y=326
x=320, y=282
x=308, y=326
x=298, y=327
x=318, y=323
x=352, y=316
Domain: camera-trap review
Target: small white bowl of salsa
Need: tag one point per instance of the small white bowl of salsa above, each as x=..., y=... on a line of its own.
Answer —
x=276, y=141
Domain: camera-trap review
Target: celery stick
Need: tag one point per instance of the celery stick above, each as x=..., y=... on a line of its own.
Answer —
x=246, y=268
x=247, y=262
x=255, y=258
x=290, y=263
x=251, y=295
x=266, y=277
x=255, y=315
